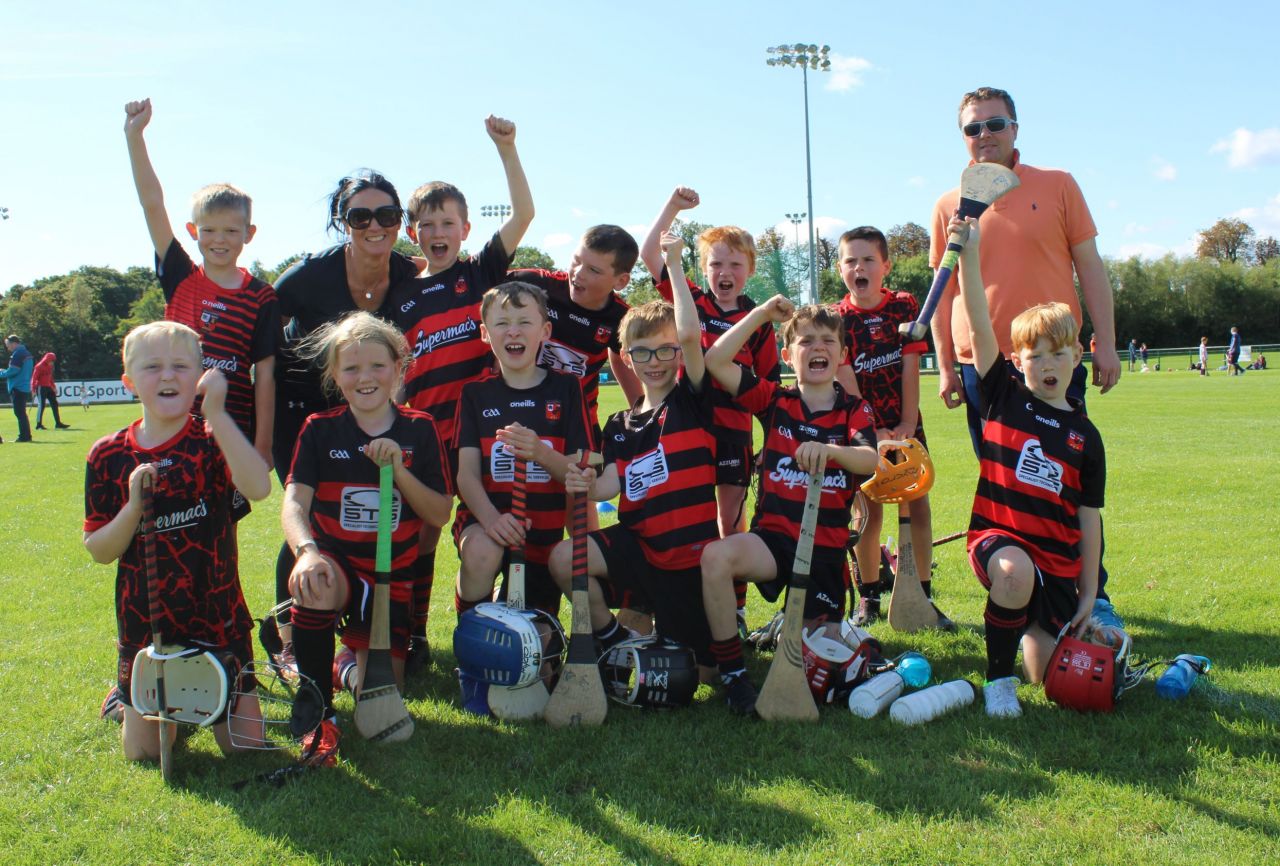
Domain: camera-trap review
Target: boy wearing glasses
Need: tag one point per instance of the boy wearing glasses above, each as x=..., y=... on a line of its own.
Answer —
x=439, y=314
x=659, y=459
x=233, y=312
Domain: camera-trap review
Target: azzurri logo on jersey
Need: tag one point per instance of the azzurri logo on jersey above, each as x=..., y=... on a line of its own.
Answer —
x=358, y=509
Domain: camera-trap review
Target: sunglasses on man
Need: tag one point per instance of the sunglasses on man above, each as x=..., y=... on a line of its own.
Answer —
x=360, y=217
x=993, y=125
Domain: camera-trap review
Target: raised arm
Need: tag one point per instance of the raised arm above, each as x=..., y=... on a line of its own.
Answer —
x=151, y=196
x=503, y=133
x=249, y=472
x=719, y=358
x=688, y=327
x=683, y=198
x=986, y=349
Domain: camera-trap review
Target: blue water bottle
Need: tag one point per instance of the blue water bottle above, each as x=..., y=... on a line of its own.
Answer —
x=915, y=669
x=1174, y=683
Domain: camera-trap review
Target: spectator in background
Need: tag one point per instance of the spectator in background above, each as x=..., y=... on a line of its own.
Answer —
x=46, y=391
x=18, y=378
x=1143, y=351
x=1204, y=356
x=1233, y=353
x=1133, y=353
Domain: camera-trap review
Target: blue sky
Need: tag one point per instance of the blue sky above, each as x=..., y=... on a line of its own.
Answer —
x=1167, y=114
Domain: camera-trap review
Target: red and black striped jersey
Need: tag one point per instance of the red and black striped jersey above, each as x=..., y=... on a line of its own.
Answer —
x=330, y=459
x=758, y=354
x=195, y=507
x=667, y=469
x=580, y=337
x=1038, y=466
x=876, y=349
x=781, y=491
x=237, y=327
x=555, y=410
x=440, y=317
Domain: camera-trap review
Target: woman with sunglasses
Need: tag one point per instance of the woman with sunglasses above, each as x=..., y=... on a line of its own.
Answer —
x=357, y=274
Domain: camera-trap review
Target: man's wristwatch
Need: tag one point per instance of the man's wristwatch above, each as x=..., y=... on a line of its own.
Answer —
x=297, y=551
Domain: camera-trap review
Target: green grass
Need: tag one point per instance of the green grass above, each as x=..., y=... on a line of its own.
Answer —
x=1191, y=528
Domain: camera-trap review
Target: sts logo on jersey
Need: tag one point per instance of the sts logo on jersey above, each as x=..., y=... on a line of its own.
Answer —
x=647, y=470
x=502, y=466
x=1038, y=469
x=358, y=509
x=556, y=356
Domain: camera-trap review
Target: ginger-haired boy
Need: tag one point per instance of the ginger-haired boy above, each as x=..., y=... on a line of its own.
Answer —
x=1035, y=535
x=198, y=472
x=233, y=311
x=885, y=368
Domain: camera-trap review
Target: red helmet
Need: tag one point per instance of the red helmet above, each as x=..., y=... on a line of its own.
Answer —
x=836, y=657
x=1085, y=676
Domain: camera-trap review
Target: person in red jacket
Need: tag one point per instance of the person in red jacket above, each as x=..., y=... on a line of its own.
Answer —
x=44, y=389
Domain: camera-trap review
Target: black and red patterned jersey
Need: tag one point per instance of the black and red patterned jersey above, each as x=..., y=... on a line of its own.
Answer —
x=195, y=506
x=555, y=410
x=1038, y=466
x=667, y=470
x=876, y=349
x=781, y=492
x=440, y=317
x=580, y=337
x=237, y=327
x=330, y=459
x=758, y=354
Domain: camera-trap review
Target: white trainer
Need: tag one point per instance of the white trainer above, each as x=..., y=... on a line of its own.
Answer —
x=1002, y=698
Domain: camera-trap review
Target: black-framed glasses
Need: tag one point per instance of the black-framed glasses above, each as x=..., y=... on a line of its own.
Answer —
x=993, y=125
x=360, y=217
x=641, y=355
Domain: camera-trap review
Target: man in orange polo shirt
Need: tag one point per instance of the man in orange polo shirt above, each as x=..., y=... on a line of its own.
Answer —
x=1036, y=242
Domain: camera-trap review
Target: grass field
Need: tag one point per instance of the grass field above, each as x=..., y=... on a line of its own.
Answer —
x=1191, y=526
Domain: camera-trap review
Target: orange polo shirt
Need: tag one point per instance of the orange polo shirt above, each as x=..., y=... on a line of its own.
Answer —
x=1027, y=238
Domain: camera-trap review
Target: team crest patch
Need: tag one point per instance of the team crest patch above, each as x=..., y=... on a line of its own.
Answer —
x=874, y=331
x=407, y=455
x=553, y=410
x=1075, y=441
x=460, y=287
x=603, y=334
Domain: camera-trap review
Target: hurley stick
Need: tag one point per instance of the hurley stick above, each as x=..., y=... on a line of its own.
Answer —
x=909, y=608
x=168, y=729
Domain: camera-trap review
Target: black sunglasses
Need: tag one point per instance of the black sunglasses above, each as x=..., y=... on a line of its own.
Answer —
x=360, y=217
x=641, y=355
x=993, y=125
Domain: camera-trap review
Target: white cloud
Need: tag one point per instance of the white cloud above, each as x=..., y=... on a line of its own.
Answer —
x=1248, y=149
x=1150, y=250
x=579, y=212
x=916, y=181
x=825, y=227
x=1132, y=229
x=1113, y=204
x=1162, y=169
x=556, y=239
x=1265, y=220
x=846, y=72
x=637, y=231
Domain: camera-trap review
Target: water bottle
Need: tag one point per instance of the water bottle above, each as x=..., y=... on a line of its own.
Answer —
x=928, y=704
x=915, y=669
x=870, y=698
x=1177, y=680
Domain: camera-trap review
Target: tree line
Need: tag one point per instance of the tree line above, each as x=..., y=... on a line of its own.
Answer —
x=1234, y=279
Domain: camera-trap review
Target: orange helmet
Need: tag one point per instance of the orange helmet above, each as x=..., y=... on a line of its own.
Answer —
x=908, y=479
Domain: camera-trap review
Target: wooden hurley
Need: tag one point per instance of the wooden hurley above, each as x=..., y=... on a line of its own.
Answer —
x=168, y=729
x=786, y=696
x=381, y=715
x=579, y=699
x=909, y=608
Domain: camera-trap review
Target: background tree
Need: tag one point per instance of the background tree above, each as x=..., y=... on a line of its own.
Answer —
x=532, y=257
x=1227, y=240
x=911, y=274
x=1266, y=249
x=907, y=240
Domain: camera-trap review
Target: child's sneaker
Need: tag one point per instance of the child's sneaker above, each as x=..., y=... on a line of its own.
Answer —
x=344, y=670
x=475, y=694
x=286, y=666
x=1002, y=698
x=320, y=747
x=419, y=656
x=740, y=692
x=112, y=706
x=945, y=623
x=1106, y=615
x=868, y=612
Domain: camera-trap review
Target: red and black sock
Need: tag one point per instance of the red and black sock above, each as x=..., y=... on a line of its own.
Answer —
x=313, y=648
x=728, y=656
x=1004, y=627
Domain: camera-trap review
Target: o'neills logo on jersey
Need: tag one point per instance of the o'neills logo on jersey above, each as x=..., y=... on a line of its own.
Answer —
x=358, y=509
x=226, y=365
x=523, y=404
x=792, y=476
x=1048, y=422
x=217, y=305
x=427, y=343
x=182, y=519
x=581, y=320
x=864, y=364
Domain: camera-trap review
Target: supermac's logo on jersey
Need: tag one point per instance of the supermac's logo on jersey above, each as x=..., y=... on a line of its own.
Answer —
x=425, y=344
x=358, y=509
x=553, y=410
x=1037, y=468
x=1075, y=440
x=646, y=471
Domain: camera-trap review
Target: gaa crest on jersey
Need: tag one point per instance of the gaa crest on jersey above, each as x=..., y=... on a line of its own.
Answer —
x=1075, y=440
x=553, y=410
x=646, y=471
x=358, y=509
x=1038, y=469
